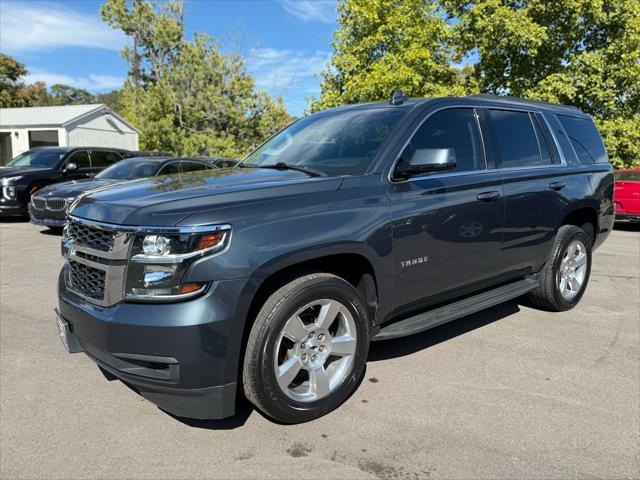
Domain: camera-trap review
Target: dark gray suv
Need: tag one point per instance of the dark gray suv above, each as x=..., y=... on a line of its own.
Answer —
x=360, y=223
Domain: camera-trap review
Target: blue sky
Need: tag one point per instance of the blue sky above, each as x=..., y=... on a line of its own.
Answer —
x=286, y=42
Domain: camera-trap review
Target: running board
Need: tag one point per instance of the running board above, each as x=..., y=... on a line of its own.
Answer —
x=433, y=318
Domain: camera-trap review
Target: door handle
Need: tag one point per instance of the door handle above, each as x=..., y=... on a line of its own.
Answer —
x=488, y=196
x=557, y=185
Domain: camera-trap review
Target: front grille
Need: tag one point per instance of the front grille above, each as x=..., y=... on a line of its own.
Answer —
x=39, y=203
x=90, y=236
x=86, y=280
x=54, y=203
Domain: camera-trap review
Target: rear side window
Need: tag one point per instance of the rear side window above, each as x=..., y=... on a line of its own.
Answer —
x=193, y=166
x=585, y=139
x=102, y=159
x=170, y=169
x=518, y=139
x=454, y=128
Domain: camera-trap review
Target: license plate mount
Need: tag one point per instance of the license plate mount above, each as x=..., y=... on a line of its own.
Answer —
x=67, y=337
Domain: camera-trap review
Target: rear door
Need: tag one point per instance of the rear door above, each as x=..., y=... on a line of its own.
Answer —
x=447, y=225
x=535, y=186
x=101, y=159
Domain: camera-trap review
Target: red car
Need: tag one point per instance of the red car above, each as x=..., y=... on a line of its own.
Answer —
x=626, y=194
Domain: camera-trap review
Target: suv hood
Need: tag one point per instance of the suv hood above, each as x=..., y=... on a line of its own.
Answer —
x=165, y=200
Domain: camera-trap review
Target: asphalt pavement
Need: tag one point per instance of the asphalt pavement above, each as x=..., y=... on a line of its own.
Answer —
x=512, y=392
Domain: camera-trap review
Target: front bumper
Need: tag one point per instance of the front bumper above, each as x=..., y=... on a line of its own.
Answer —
x=47, y=217
x=12, y=208
x=183, y=357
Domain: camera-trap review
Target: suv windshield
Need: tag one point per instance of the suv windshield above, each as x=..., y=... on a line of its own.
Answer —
x=37, y=158
x=130, y=170
x=334, y=143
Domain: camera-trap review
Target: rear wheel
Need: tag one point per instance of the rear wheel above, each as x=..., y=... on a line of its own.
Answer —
x=307, y=348
x=564, y=278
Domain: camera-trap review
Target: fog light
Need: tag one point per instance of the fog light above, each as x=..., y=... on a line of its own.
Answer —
x=156, y=245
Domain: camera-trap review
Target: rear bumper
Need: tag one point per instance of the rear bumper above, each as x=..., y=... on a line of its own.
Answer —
x=632, y=217
x=183, y=357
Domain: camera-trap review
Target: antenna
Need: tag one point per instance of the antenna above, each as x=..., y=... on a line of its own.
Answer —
x=398, y=98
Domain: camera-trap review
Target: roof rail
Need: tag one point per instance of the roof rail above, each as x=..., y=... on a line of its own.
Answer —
x=508, y=98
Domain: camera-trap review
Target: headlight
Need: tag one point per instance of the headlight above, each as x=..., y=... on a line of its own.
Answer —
x=9, y=192
x=159, y=262
x=8, y=189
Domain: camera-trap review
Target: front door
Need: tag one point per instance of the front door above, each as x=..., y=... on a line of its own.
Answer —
x=80, y=159
x=446, y=226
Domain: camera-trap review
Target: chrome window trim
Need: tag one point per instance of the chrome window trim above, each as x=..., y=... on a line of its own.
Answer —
x=151, y=229
x=563, y=159
x=475, y=172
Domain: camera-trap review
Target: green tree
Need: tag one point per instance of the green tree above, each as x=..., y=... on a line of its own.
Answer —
x=578, y=52
x=110, y=99
x=384, y=45
x=60, y=94
x=14, y=91
x=185, y=95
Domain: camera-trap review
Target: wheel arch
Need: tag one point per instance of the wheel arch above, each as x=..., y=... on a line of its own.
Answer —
x=339, y=260
x=584, y=216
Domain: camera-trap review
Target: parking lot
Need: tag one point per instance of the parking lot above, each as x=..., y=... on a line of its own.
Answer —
x=512, y=392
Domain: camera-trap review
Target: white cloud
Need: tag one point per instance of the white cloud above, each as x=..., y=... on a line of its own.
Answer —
x=311, y=10
x=91, y=82
x=285, y=69
x=31, y=27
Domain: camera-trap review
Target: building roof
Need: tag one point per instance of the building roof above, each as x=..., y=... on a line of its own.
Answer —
x=58, y=116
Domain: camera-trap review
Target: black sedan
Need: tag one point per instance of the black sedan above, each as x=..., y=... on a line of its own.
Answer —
x=48, y=205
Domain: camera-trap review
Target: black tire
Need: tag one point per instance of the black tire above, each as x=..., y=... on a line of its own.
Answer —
x=548, y=295
x=259, y=378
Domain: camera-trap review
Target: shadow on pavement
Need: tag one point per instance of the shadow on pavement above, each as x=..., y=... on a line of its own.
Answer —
x=400, y=347
x=243, y=411
x=14, y=219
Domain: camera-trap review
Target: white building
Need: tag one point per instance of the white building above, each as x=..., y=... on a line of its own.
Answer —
x=68, y=125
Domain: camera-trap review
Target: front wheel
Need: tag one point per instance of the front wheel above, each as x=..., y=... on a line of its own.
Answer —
x=307, y=348
x=564, y=278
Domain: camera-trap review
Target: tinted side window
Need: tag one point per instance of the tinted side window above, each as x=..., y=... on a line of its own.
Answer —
x=585, y=139
x=101, y=159
x=193, y=166
x=81, y=159
x=454, y=128
x=515, y=139
x=170, y=169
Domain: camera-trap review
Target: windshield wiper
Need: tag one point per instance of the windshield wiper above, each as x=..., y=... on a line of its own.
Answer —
x=287, y=166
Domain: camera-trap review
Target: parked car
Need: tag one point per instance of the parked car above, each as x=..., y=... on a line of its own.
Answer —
x=366, y=222
x=48, y=205
x=36, y=168
x=627, y=194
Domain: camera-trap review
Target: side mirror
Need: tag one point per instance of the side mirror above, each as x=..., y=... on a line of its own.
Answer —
x=71, y=167
x=426, y=160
